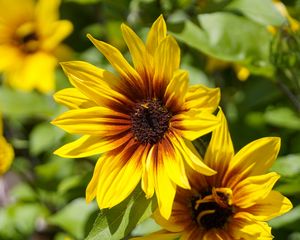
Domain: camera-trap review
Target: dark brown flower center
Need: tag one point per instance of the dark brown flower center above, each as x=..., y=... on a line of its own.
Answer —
x=26, y=38
x=212, y=208
x=150, y=120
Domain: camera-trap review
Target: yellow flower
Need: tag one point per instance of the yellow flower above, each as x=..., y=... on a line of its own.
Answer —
x=141, y=120
x=214, y=64
x=6, y=152
x=234, y=203
x=294, y=25
x=30, y=35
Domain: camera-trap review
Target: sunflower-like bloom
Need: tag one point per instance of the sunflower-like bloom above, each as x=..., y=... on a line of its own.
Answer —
x=6, y=152
x=142, y=121
x=233, y=204
x=30, y=36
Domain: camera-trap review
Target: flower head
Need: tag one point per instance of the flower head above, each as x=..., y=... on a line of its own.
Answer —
x=142, y=121
x=234, y=203
x=29, y=42
x=6, y=152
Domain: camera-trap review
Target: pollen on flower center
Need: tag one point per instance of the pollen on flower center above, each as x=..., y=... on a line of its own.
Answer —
x=212, y=208
x=150, y=120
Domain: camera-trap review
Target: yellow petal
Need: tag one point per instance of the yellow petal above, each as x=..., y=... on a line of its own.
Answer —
x=190, y=155
x=137, y=50
x=202, y=98
x=194, y=124
x=159, y=235
x=58, y=31
x=6, y=155
x=173, y=162
x=176, y=91
x=255, y=158
x=241, y=227
x=91, y=145
x=46, y=12
x=166, y=62
x=220, y=149
x=165, y=190
x=192, y=233
x=216, y=234
x=95, y=83
x=275, y=204
x=148, y=172
x=91, y=189
x=117, y=60
x=9, y=54
x=73, y=99
x=27, y=73
x=252, y=189
x=156, y=34
x=12, y=12
x=93, y=121
x=178, y=221
x=119, y=176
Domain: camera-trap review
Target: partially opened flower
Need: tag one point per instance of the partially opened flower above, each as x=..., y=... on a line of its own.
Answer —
x=233, y=204
x=30, y=36
x=6, y=152
x=141, y=120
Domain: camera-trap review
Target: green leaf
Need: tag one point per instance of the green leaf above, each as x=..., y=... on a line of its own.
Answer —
x=72, y=218
x=231, y=38
x=290, y=188
x=18, y=104
x=286, y=219
x=117, y=222
x=263, y=12
x=43, y=137
x=68, y=183
x=146, y=227
x=282, y=117
x=20, y=219
x=56, y=169
x=287, y=166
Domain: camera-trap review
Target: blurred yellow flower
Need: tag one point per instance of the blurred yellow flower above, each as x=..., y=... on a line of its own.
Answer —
x=30, y=36
x=6, y=152
x=234, y=203
x=214, y=64
x=142, y=120
x=294, y=25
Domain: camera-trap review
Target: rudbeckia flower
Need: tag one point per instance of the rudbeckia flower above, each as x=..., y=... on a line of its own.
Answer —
x=141, y=120
x=6, y=152
x=233, y=204
x=30, y=36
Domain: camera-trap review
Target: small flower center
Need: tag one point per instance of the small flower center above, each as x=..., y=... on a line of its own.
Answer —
x=150, y=120
x=212, y=208
x=26, y=38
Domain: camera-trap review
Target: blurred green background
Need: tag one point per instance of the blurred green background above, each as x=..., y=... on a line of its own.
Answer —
x=248, y=48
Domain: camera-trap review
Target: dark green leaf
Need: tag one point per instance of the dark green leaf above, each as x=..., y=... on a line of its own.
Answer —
x=43, y=137
x=230, y=38
x=117, y=222
x=73, y=217
x=17, y=104
x=282, y=117
x=287, y=166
